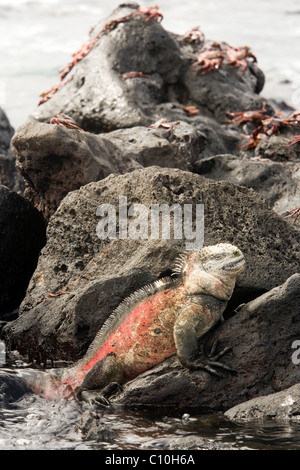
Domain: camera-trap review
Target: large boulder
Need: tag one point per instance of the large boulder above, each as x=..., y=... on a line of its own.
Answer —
x=102, y=99
x=54, y=160
x=261, y=335
x=88, y=277
x=23, y=234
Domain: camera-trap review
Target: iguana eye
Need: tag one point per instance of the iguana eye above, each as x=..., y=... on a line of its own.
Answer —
x=236, y=253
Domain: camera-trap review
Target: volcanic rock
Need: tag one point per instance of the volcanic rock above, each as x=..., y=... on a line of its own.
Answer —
x=99, y=97
x=54, y=160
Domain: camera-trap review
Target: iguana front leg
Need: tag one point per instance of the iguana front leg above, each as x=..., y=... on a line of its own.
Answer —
x=192, y=323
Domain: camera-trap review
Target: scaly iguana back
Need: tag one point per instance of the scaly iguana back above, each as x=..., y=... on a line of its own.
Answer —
x=162, y=319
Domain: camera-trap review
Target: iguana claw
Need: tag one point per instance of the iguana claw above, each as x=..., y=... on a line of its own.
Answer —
x=100, y=397
x=213, y=360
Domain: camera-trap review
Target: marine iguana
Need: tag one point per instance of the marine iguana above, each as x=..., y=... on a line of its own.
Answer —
x=159, y=320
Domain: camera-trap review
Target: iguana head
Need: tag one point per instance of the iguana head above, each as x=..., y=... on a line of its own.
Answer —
x=223, y=258
x=212, y=269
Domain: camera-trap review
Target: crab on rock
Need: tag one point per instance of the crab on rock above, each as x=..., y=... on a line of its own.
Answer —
x=209, y=58
x=237, y=56
x=65, y=121
x=151, y=12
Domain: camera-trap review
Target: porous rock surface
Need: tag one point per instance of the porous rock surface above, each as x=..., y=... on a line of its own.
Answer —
x=55, y=160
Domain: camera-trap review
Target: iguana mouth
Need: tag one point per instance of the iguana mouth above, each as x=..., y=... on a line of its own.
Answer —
x=234, y=263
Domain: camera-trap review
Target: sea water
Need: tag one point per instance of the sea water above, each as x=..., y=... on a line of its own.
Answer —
x=37, y=37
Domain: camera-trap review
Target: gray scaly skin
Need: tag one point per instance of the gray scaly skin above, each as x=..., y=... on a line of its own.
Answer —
x=162, y=319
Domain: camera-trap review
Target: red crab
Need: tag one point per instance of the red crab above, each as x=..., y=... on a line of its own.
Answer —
x=273, y=124
x=127, y=75
x=237, y=56
x=46, y=95
x=294, y=140
x=77, y=57
x=293, y=212
x=209, y=58
x=112, y=24
x=254, y=138
x=64, y=121
x=255, y=116
x=164, y=122
x=191, y=110
x=51, y=295
x=194, y=36
x=152, y=12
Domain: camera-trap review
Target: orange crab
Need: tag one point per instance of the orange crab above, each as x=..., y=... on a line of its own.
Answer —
x=151, y=12
x=65, y=121
x=237, y=56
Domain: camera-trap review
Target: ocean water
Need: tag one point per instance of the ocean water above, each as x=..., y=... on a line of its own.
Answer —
x=37, y=37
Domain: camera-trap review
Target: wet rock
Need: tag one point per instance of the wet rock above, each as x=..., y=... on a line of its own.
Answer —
x=91, y=428
x=103, y=100
x=277, y=182
x=90, y=277
x=12, y=387
x=22, y=231
x=54, y=160
x=261, y=336
x=284, y=405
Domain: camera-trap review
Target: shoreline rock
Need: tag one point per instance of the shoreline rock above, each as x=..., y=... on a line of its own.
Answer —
x=280, y=406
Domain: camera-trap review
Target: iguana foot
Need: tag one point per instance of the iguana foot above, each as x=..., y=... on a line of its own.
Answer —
x=93, y=397
x=212, y=363
x=100, y=397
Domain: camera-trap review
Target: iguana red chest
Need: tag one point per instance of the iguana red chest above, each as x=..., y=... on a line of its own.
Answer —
x=145, y=337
